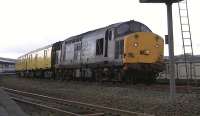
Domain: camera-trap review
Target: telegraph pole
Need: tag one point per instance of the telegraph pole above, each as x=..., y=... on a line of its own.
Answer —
x=170, y=44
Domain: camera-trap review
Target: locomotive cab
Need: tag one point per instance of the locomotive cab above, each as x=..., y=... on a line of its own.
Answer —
x=137, y=43
x=139, y=50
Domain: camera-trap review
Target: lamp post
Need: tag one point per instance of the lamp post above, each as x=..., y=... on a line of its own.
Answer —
x=170, y=40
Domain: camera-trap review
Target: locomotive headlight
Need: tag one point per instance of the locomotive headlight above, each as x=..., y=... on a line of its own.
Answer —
x=157, y=46
x=147, y=52
x=135, y=44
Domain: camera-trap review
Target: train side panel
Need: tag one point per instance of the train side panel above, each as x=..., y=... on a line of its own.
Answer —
x=93, y=48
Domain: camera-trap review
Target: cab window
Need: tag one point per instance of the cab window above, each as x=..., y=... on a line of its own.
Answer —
x=122, y=29
x=130, y=27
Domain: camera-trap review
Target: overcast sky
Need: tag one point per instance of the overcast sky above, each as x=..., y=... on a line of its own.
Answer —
x=26, y=25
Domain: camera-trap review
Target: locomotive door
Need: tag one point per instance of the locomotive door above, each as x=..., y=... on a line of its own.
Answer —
x=57, y=57
x=108, y=37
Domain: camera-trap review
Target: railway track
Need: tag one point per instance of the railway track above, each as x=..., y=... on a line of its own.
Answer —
x=67, y=107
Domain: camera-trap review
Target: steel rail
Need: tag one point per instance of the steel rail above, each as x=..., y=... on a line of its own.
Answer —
x=46, y=107
x=104, y=109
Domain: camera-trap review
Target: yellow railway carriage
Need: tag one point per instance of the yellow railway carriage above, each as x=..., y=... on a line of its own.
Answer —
x=37, y=60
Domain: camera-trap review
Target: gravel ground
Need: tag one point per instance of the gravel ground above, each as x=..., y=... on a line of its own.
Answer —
x=137, y=98
x=36, y=111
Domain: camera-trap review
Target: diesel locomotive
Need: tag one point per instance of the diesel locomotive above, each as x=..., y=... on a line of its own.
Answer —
x=127, y=51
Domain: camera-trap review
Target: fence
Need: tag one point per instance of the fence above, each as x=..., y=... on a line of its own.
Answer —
x=193, y=69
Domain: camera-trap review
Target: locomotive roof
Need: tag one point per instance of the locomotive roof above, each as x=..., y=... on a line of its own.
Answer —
x=101, y=29
x=42, y=48
x=111, y=26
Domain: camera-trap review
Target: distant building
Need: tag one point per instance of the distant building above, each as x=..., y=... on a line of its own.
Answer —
x=7, y=65
x=192, y=63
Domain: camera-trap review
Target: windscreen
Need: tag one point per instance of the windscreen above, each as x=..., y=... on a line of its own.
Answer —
x=131, y=27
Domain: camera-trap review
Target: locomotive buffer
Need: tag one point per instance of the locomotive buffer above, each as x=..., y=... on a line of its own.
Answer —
x=170, y=40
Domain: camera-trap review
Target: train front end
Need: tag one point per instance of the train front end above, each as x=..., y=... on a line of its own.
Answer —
x=143, y=56
x=143, y=47
x=142, y=52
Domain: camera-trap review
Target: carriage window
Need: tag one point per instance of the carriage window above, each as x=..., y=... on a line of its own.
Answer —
x=45, y=53
x=29, y=58
x=26, y=58
x=36, y=56
x=77, y=47
x=99, y=46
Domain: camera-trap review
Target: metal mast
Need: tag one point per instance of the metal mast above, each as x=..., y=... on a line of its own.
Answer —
x=171, y=42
